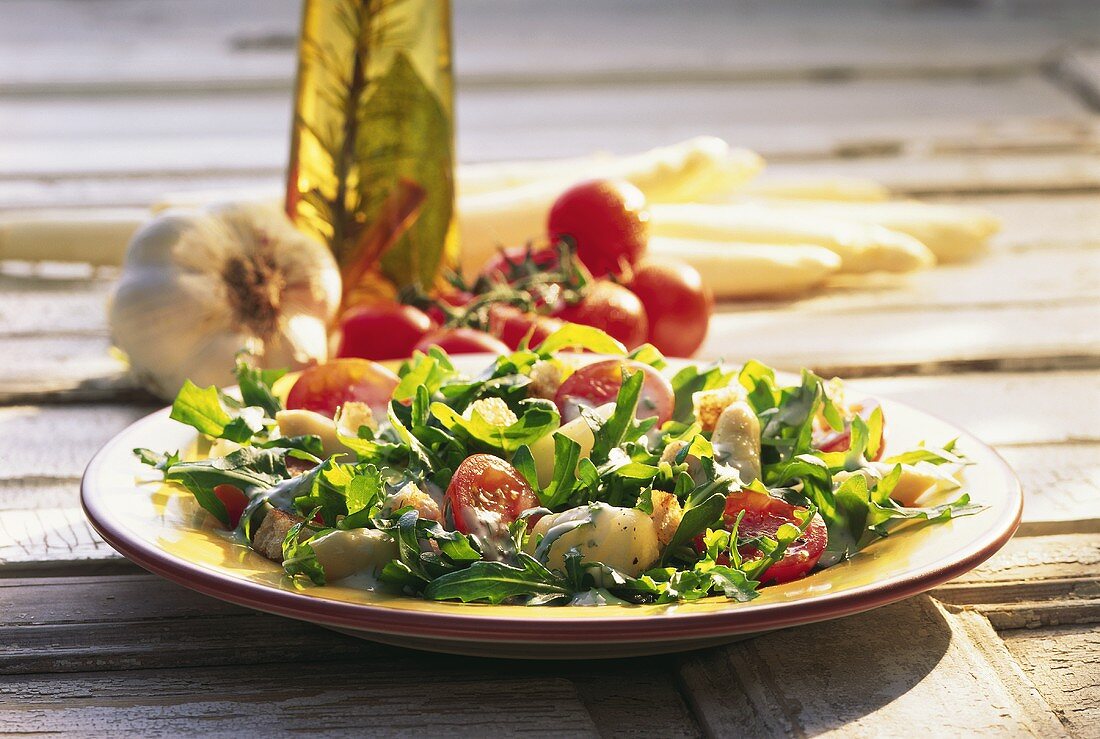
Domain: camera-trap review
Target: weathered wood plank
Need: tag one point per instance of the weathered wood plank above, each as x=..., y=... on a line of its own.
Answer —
x=49, y=539
x=1034, y=581
x=912, y=341
x=48, y=448
x=1004, y=408
x=289, y=698
x=1061, y=663
x=858, y=677
x=252, y=43
x=245, y=133
x=65, y=625
x=1062, y=481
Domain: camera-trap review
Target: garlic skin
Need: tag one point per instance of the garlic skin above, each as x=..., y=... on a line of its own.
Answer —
x=199, y=286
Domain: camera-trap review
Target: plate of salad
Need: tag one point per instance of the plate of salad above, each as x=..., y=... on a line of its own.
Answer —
x=566, y=500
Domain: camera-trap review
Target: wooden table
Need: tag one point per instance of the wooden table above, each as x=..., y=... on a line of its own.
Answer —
x=111, y=104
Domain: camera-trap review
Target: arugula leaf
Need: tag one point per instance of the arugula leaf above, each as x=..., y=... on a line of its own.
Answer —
x=574, y=336
x=430, y=371
x=539, y=418
x=495, y=582
x=944, y=455
x=299, y=557
x=309, y=443
x=156, y=460
x=364, y=490
x=567, y=454
x=255, y=385
x=524, y=462
x=702, y=509
x=734, y=583
x=204, y=409
x=691, y=380
x=249, y=469
x=649, y=354
x=612, y=432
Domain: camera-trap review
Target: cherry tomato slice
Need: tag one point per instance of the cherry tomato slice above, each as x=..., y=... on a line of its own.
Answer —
x=486, y=494
x=606, y=219
x=841, y=441
x=598, y=383
x=326, y=387
x=385, y=331
x=512, y=326
x=611, y=308
x=234, y=500
x=462, y=341
x=763, y=517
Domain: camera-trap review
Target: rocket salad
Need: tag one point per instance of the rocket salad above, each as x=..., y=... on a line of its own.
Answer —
x=553, y=477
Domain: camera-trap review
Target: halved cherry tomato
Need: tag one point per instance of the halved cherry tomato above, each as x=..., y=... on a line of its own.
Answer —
x=841, y=441
x=384, y=331
x=599, y=383
x=763, y=517
x=486, y=494
x=517, y=262
x=677, y=304
x=462, y=341
x=234, y=500
x=607, y=220
x=611, y=308
x=326, y=387
x=511, y=325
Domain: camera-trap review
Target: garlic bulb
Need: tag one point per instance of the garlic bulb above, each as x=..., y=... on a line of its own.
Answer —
x=199, y=286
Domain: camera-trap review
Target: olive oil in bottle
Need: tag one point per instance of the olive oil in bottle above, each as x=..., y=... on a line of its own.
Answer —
x=372, y=145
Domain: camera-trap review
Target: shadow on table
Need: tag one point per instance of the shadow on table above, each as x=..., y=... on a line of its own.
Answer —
x=811, y=679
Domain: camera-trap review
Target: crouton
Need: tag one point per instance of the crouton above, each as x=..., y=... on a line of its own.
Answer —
x=268, y=540
x=411, y=495
x=494, y=410
x=546, y=378
x=353, y=415
x=673, y=449
x=666, y=515
x=709, y=404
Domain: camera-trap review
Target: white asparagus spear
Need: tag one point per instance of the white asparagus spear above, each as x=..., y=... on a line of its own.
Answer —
x=96, y=237
x=857, y=189
x=739, y=270
x=861, y=247
x=702, y=167
x=953, y=232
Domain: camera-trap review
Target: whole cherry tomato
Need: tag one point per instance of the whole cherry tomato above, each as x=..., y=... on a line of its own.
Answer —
x=384, y=331
x=677, y=304
x=454, y=299
x=462, y=341
x=511, y=325
x=598, y=383
x=517, y=262
x=234, y=500
x=486, y=494
x=763, y=517
x=607, y=221
x=328, y=386
x=612, y=308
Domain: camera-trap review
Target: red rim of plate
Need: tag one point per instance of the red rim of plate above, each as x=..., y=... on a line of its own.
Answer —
x=472, y=627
